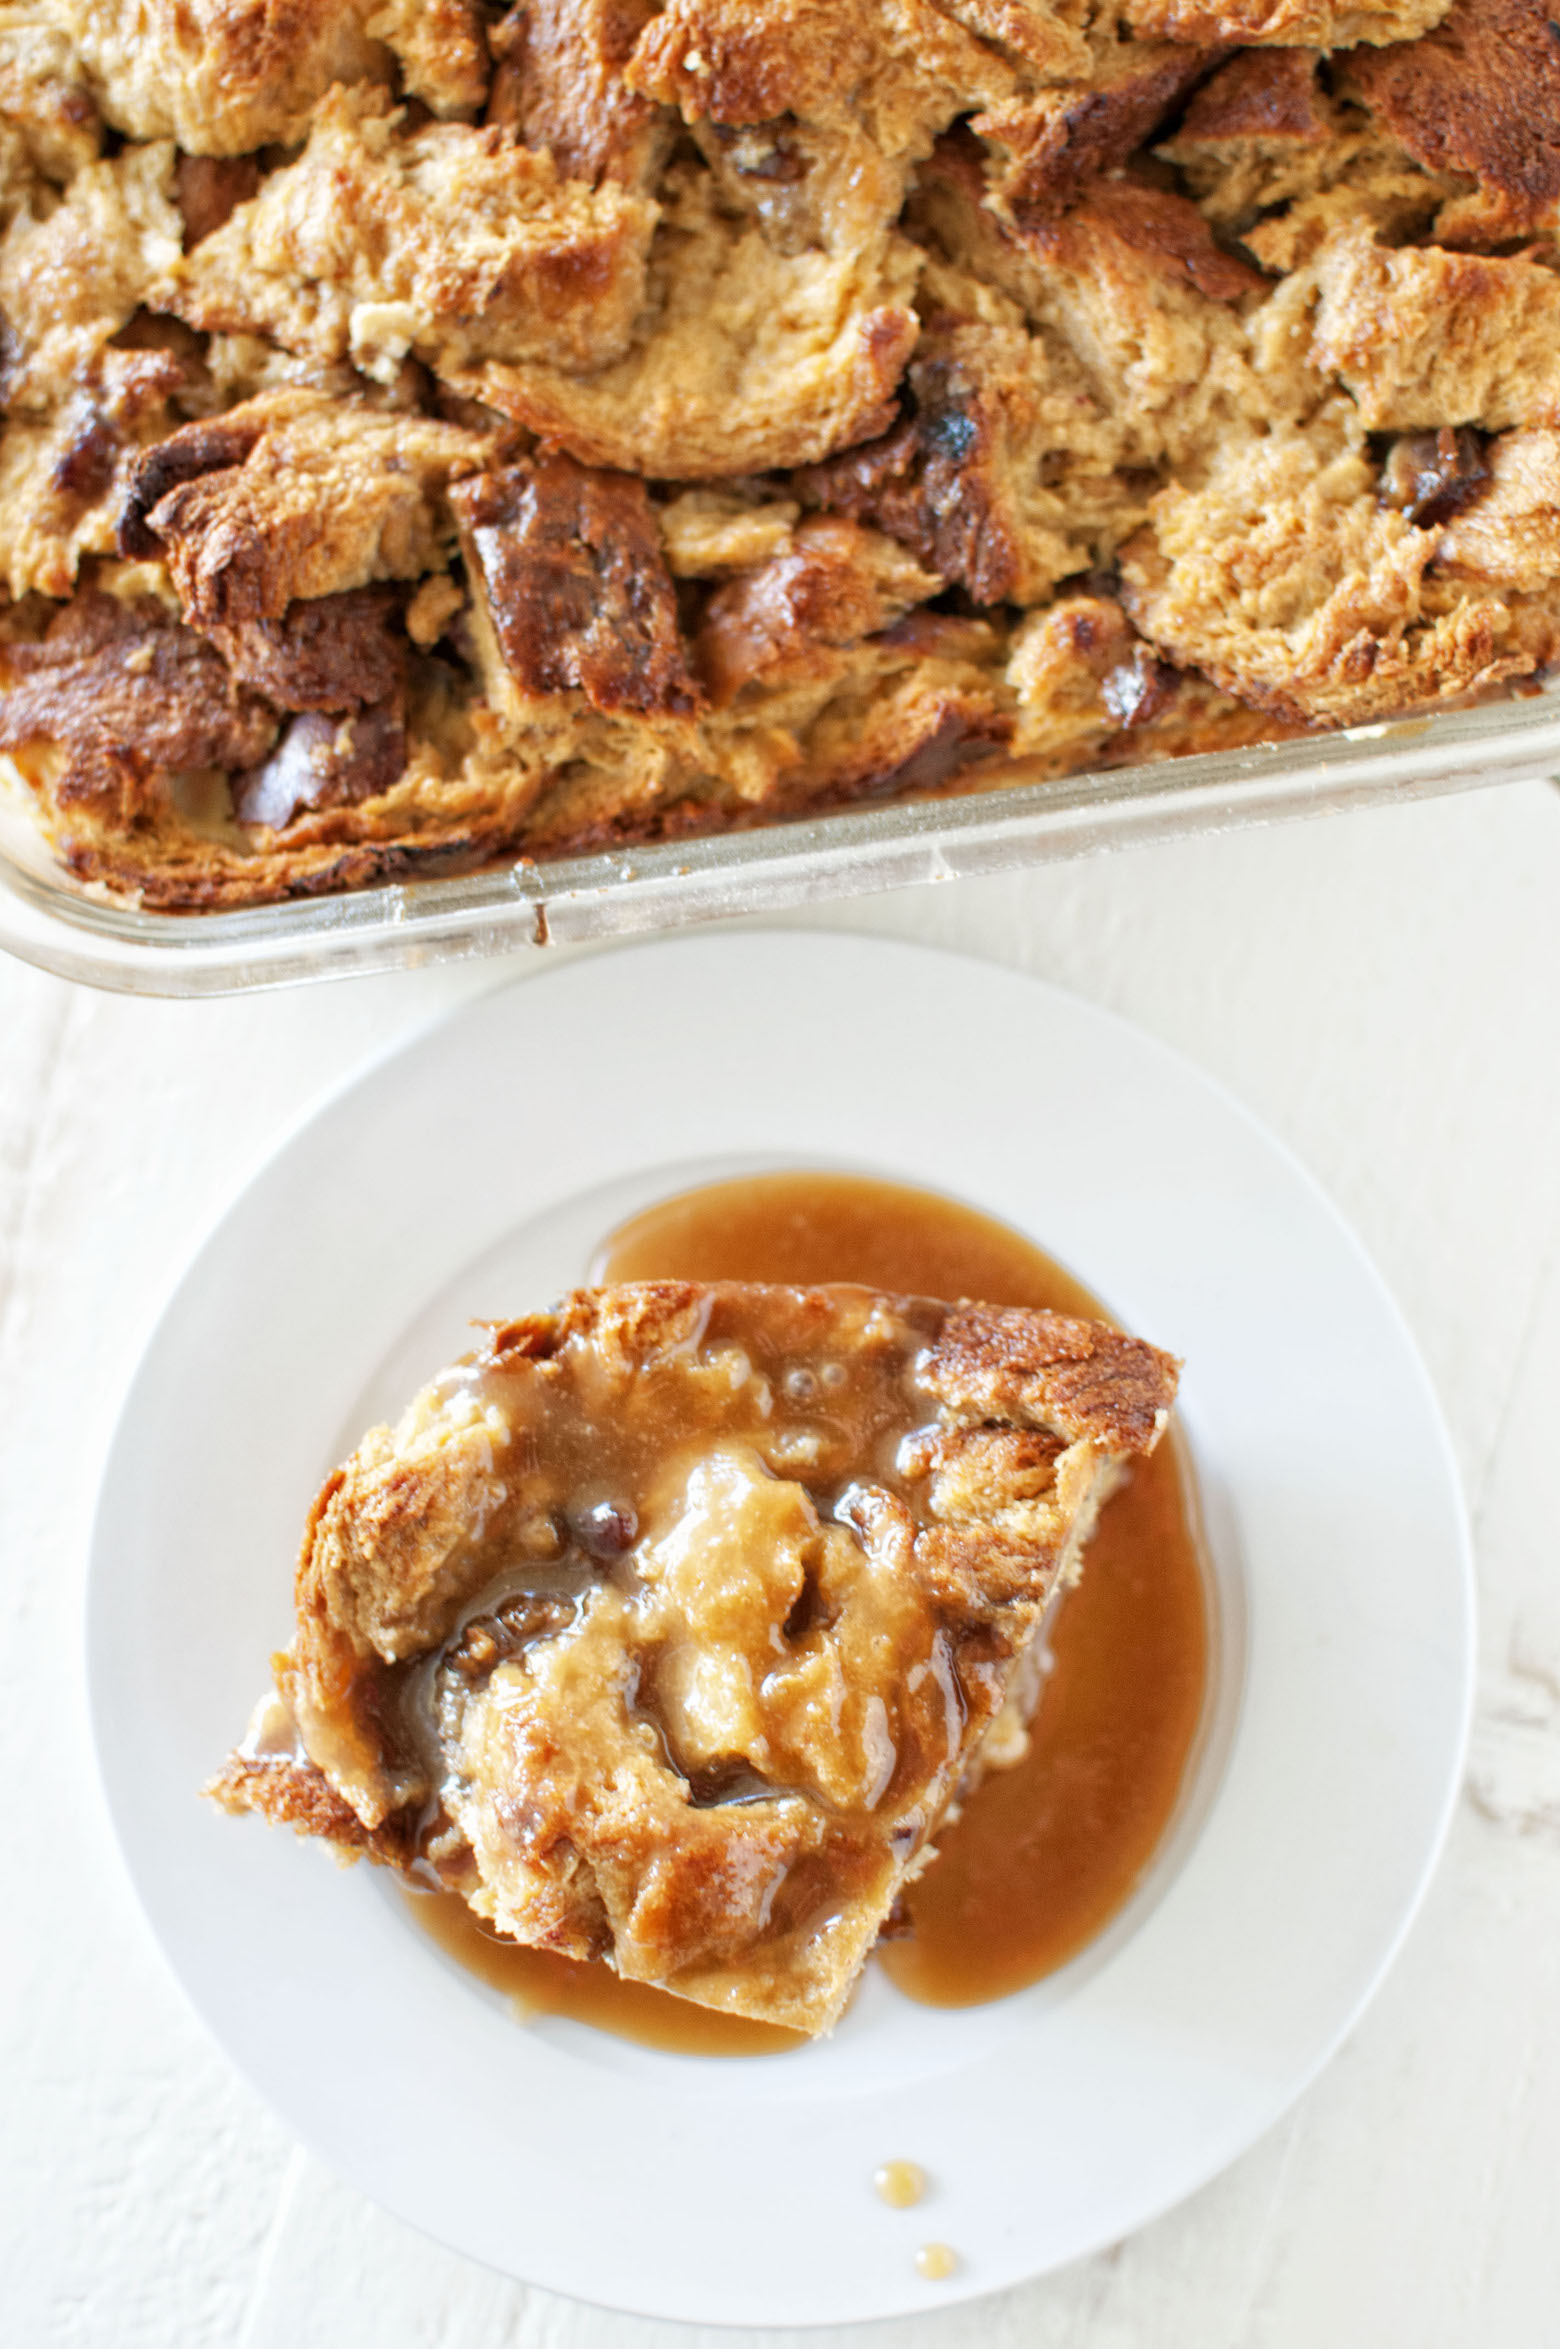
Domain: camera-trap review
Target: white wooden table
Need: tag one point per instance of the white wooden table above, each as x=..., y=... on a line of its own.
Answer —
x=1385, y=990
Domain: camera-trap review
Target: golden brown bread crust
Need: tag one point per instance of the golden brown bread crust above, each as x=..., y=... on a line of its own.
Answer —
x=71, y=278
x=813, y=364
x=1479, y=96
x=290, y=1794
x=1290, y=24
x=1075, y=1377
x=668, y=1627
x=226, y=76
x=899, y=72
x=1423, y=337
x=296, y=494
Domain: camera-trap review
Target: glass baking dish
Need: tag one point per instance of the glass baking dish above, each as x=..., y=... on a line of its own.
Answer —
x=47, y=920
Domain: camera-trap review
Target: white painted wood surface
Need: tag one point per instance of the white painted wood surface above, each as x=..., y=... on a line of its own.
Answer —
x=1385, y=990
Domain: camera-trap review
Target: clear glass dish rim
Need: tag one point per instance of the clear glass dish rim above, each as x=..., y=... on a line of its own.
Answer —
x=48, y=921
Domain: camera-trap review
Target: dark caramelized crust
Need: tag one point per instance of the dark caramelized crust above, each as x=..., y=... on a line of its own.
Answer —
x=560, y=83
x=1061, y=139
x=669, y=1627
x=1478, y=96
x=1162, y=229
x=573, y=584
x=1262, y=94
x=214, y=445
x=325, y=760
x=834, y=585
x=331, y=652
x=126, y=691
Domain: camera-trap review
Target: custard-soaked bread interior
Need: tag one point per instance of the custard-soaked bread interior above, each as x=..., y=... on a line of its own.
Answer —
x=508, y=436
x=669, y=1627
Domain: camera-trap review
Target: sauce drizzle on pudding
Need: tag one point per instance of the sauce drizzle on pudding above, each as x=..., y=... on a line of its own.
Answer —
x=1045, y=1852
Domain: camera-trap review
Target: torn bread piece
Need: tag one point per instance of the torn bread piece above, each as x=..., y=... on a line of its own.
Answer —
x=455, y=244
x=668, y=1628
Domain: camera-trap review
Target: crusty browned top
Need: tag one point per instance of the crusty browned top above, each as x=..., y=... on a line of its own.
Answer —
x=667, y=1627
x=1079, y=1377
x=636, y=418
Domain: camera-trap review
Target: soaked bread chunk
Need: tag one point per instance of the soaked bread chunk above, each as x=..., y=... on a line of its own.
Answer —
x=65, y=476
x=49, y=126
x=1293, y=581
x=127, y=694
x=1381, y=326
x=1509, y=534
x=669, y=1627
x=745, y=355
x=457, y=244
x=1002, y=475
x=833, y=585
x=73, y=275
x=619, y=420
x=897, y=74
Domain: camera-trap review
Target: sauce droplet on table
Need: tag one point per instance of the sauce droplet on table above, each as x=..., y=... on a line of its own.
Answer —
x=900, y=2184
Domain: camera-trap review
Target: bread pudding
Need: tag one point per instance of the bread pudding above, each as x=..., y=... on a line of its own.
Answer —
x=668, y=1628
x=435, y=437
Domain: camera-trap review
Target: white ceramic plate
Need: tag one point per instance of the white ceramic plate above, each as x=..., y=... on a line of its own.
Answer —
x=470, y=1173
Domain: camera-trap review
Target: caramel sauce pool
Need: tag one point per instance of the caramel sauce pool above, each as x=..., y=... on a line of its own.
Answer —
x=1045, y=1853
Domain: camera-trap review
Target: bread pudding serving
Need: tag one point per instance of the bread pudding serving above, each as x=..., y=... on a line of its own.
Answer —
x=670, y=1627
x=435, y=437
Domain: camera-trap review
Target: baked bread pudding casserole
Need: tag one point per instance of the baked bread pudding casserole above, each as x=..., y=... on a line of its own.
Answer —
x=435, y=437
x=668, y=1628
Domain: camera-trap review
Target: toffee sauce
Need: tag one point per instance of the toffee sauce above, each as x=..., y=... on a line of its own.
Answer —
x=1044, y=1853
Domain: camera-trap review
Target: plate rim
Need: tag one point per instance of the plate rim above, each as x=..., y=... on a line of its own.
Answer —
x=1187, y=1072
